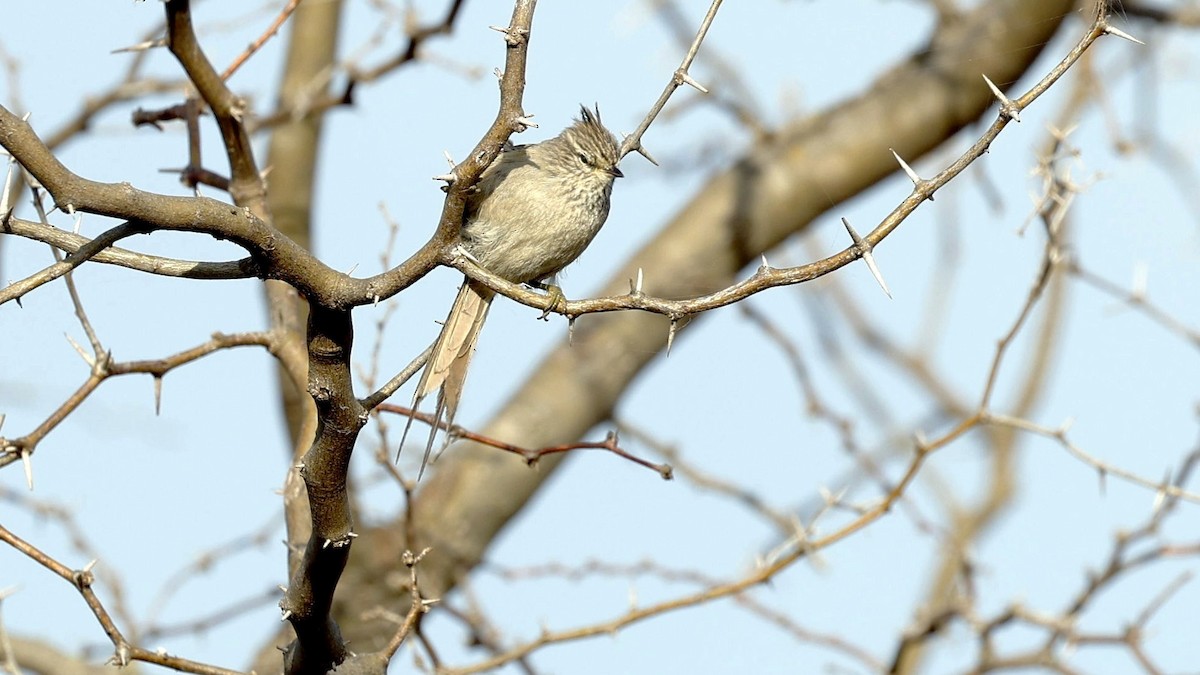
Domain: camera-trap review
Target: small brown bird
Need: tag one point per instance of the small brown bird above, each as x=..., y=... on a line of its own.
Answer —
x=536, y=208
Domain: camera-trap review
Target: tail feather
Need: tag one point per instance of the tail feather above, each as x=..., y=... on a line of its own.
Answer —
x=446, y=371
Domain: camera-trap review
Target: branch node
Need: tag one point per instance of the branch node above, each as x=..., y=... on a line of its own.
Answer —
x=120, y=657
x=681, y=77
x=1008, y=107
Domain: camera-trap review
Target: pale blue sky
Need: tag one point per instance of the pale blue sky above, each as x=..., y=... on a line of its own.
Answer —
x=724, y=396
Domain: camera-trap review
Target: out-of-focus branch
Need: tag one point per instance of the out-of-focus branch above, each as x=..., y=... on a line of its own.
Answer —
x=43, y=658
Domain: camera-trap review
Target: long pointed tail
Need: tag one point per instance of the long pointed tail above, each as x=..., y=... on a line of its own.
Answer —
x=446, y=371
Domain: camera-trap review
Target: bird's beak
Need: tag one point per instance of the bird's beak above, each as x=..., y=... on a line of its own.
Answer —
x=616, y=173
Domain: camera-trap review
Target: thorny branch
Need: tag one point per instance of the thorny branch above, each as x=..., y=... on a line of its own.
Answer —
x=103, y=367
x=765, y=276
x=530, y=455
x=125, y=653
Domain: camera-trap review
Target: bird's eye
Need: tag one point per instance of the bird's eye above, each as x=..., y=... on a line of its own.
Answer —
x=587, y=161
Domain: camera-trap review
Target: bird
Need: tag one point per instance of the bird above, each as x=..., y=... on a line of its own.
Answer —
x=535, y=209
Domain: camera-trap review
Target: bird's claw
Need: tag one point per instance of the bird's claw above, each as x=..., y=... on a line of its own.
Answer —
x=557, y=301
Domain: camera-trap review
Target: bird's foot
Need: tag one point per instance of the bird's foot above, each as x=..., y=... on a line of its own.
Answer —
x=557, y=301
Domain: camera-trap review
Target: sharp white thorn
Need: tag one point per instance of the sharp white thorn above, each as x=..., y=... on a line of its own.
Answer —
x=869, y=258
x=687, y=79
x=1141, y=277
x=1007, y=107
x=995, y=90
x=908, y=170
x=26, y=459
x=6, y=192
x=82, y=354
x=1109, y=30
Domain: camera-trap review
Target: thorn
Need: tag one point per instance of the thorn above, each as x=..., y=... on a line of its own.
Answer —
x=1102, y=476
x=1160, y=495
x=683, y=78
x=282, y=588
x=447, y=177
x=287, y=614
x=1061, y=135
x=525, y=122
x=869, y=258
x=570, y=330
x=826, y=496
x=6, y=193
x=921, y=441
x=766, y=266
x=1065, y=427
x=352, y=535
x=87, y=569
x=84, y=355
x=671, y=334
x=646, y=153
x=1140, y=278
x=2, y=418
x=637, y=287
x=28, y=462
x=449, y=158
x=511, y=36
x=1109, y=30
x=908, y=170
x=864, y=251
x=141, y=46
x=157, y=395
x=375, y=300
x=1008, y=108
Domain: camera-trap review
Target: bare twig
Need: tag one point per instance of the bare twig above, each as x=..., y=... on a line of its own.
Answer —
x=262, y=39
